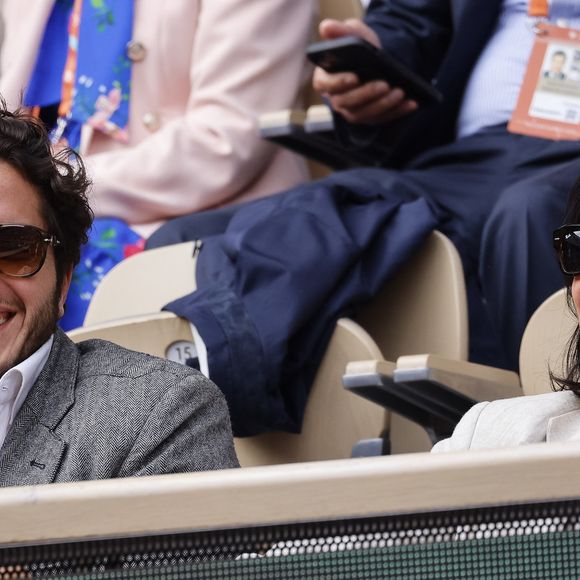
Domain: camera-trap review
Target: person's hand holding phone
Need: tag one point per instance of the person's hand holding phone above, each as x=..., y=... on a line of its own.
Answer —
x=363, y=103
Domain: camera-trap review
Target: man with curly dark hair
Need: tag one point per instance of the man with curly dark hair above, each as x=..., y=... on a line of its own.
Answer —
x=93, y=410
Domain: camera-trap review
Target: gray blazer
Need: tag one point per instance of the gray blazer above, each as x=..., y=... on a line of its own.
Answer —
x=99, y=411
x=519, y=421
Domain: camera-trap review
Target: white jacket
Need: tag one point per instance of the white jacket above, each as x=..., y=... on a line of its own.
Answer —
x=518, y=421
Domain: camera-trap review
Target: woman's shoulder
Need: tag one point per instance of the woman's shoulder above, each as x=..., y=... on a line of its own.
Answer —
x=509, y=422
x=543, y=406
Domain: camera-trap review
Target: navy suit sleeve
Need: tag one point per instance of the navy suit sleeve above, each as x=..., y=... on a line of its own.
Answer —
x=417, y=32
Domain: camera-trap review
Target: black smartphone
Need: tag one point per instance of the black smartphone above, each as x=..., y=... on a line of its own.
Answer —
x=353, y=54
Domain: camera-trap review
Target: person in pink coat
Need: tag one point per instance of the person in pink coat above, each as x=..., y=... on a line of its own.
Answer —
x=201, y=73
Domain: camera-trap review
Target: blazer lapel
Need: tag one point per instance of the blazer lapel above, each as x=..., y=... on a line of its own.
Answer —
x=32, y=452
x=564, y=427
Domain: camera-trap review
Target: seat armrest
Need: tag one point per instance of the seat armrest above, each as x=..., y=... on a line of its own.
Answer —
x=474, y=381
x=370, y=367
x=432, y=391
x=319, y=119
x=285, y=122
x=374, y=380
x=371, y=379
x=310, y=134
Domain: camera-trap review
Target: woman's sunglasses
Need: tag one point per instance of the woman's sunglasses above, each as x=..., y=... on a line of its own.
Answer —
x=567, y=244
x=23, y=249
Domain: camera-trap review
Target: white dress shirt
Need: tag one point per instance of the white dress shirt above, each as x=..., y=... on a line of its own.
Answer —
x=15, y=384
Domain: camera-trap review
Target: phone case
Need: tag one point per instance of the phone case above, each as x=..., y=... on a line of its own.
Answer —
x=354, y=54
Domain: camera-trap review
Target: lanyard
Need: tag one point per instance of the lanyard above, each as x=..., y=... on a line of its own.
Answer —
x=538, y=8
x=70, y=68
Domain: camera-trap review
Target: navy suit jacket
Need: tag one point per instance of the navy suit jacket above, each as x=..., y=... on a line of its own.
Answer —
x=441, y=40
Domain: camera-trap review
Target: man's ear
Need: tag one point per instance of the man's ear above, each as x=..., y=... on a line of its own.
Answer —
x=64, y=286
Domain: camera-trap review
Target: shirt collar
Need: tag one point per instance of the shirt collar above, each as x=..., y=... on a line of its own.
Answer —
x=26, y=373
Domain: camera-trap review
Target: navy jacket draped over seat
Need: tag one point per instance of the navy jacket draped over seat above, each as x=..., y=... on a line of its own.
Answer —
x=271, y=289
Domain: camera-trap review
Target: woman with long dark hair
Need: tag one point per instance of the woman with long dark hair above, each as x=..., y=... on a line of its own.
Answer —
x=540, y=418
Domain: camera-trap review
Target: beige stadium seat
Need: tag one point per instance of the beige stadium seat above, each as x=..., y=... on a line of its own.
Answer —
x=144, y=283
x=423, y=309
x=442, y=389
x=543, y=344
x=455, y=515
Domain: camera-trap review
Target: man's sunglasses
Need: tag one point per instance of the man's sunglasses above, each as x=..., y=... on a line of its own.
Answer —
x=23, y=249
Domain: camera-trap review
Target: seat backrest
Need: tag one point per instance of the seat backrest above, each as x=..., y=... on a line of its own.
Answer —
x=423, y=309
x=340, y=9
x=334, y=419
x=544, y=343
x=156, y=334
x=144, y=283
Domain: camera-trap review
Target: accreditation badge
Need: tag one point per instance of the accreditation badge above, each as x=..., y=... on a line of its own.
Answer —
x=549, y=102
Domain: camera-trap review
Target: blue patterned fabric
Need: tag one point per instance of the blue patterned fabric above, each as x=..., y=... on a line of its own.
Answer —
x=98, y=62
x=45, y=85
x=110, y=241
x=83, y=51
